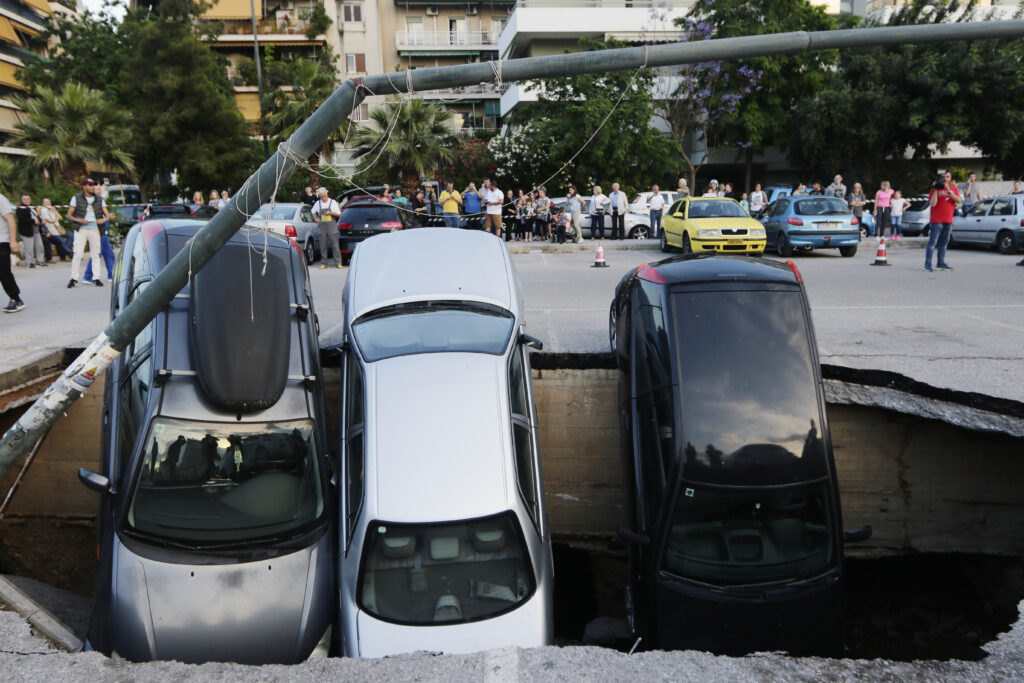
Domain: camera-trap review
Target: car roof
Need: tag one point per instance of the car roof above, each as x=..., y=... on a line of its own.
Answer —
x=711, y=267
x=422, y=471
x=710, y=199
x=429, y=265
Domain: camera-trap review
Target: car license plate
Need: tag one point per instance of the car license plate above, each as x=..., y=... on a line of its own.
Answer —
x=828, y=225
x=735, y=242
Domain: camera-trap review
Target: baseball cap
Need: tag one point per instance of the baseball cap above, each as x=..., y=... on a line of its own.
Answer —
x=88, y=181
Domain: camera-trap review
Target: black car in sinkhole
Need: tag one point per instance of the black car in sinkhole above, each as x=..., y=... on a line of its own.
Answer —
x=733, y=521
x=216, y=537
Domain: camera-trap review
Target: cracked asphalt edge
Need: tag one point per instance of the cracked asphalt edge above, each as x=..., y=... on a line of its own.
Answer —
x=44, y=622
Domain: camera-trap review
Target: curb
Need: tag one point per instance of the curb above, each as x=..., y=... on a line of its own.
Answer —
x=39, y=618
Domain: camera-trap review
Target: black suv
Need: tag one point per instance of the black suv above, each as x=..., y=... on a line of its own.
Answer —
x=365, y=217
x=732, y=506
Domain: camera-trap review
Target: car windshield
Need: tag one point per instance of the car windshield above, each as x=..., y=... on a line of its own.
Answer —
x=359, y=214
x=208, y=484
x=447, y=573
x=822, y=206
x=734, y=537
x=716, y=208
x=749, y=396
x=280, y=213
x=432, y=327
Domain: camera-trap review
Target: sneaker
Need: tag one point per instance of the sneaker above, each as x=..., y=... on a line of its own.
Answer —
x=43, y=264
x=14, y=306
x=72, y=283
x=31, y=265
x=323, y=266
x=942, y=267
x=98, y=283
x=927, y=269
x=340, y=266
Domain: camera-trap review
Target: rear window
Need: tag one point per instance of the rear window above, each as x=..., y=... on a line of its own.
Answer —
x=917, y=205
x=369, y=213
x=169, y=210
x=822, y=206
x=443, y=574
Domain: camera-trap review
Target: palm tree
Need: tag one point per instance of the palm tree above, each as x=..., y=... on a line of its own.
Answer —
x=64, y=129
x=312, y=83
x=411, y=136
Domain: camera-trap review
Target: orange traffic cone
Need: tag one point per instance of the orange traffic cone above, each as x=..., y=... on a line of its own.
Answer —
x=599, y=256
x=880, y=259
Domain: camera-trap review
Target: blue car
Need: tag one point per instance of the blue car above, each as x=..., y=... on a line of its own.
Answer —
x=811, y=222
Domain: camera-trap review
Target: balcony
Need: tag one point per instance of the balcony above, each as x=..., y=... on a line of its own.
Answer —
x=482, y=91
x=445, y=42
x=280, y=30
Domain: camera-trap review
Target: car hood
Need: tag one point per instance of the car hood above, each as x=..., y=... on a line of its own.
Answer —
x=525, y=626
x=251, y=613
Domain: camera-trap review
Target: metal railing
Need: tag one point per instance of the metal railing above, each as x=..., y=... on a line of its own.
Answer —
x=446, y=38
x=640, y=4
x=267, y=27
x=481, y=89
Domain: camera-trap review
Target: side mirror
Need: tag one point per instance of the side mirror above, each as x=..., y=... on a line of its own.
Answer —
x=531, y=342
x=861, y=534
x=632, y=536
x=93, y=481
x=678, y=214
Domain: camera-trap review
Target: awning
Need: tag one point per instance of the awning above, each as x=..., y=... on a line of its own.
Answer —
x=440, y=53
x=7, y=75
x=9, y=118
x=234, y=9
x=7, y=32
x=41, y=5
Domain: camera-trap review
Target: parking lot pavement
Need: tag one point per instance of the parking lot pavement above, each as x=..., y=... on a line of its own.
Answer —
x=957, y=330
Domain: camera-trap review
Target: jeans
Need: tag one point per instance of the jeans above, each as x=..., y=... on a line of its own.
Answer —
x=451, y=220
x=6, y=276
x=57, y=244
x=894, y=225
x=108, y=260
x=655, y=222
x=618, y=225
x=938, y=236
x=597, y=225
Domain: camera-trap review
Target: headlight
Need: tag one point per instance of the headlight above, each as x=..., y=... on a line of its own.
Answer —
x=756, y=232
x=709, y=233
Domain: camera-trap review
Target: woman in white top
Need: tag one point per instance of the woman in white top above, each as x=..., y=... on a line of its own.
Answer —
x=598, y=202
x=758, y=199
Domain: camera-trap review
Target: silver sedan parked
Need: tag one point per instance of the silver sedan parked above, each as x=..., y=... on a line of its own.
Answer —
x=290, y=220
x=994, y=222
x=444, y=539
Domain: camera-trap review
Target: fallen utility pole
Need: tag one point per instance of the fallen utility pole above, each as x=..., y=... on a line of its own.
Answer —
x=332, y=113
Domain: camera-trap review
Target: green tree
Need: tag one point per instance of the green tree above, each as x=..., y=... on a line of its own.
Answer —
x=570, y=111
x=763, y=118
x=885, y=111
x=472, y=160
x=313, y=82
x=88, y=51
x=64, y=129
x=411, y=136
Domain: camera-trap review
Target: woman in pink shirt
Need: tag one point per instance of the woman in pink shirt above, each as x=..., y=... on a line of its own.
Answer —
x=883, y=208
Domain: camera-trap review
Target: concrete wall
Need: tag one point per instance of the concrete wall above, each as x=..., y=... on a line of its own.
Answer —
x=922, y=484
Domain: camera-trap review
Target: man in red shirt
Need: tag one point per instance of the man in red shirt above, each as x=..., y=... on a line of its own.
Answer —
x=944, y=199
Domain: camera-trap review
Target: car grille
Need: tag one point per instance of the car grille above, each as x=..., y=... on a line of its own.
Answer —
x=734, y=231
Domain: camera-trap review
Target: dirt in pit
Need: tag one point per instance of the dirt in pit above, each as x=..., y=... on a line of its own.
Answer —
x=61, y=553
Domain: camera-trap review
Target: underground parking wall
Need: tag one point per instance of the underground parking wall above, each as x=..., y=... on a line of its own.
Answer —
x=936, y=473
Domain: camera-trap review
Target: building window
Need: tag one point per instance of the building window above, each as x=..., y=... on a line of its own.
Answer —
x=352, y=11
x=361, y=113
x=355, y=63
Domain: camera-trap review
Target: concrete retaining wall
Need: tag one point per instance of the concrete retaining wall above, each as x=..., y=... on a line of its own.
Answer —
x=923, y=484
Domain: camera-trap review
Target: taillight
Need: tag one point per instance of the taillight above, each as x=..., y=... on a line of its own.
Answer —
x=646, y=272
x=297, y=246
x=391, y=225
x=1022, y=222
x=854, y=221
x=794, y=221
x=344, y=226
x=796, y=272
x=290, y=231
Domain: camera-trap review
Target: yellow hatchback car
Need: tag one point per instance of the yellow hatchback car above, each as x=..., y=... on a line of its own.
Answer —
x=720, y=224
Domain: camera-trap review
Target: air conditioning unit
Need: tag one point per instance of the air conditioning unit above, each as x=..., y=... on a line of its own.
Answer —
x=472, y=11
x=431, y=11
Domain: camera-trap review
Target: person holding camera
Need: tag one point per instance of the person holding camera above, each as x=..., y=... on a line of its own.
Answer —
x=944, y=198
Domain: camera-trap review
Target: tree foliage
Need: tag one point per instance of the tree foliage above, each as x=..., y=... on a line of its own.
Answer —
x=409, y=136
x=885, y=111
x=471, y=160
x=569, y=112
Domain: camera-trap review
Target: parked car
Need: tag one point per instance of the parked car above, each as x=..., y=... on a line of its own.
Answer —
x=994, y=222
x=639, y=202
x=812, y=222
x=119, y=193
x=711, y=224
x=734, y=526
x=366, y=217
x=637, y=226
x=445, y=543
x=216, y=531
x=130, y=215
x=290, y=220
x=916, y=218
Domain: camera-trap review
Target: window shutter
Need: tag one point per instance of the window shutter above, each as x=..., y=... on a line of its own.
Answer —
x=361, y=63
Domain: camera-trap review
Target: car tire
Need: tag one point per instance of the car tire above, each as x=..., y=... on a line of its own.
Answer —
x=951, y=243
x=613, y=330
x=926, y=230
x=784, y=248
x=639, y=232
x=663, y=242
x=848, y=251
x=863, y=232
x=1005, y=242
x=310, y=252
x=687, y=247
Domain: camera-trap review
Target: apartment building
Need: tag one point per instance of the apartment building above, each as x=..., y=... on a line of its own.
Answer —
x=20, y=21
